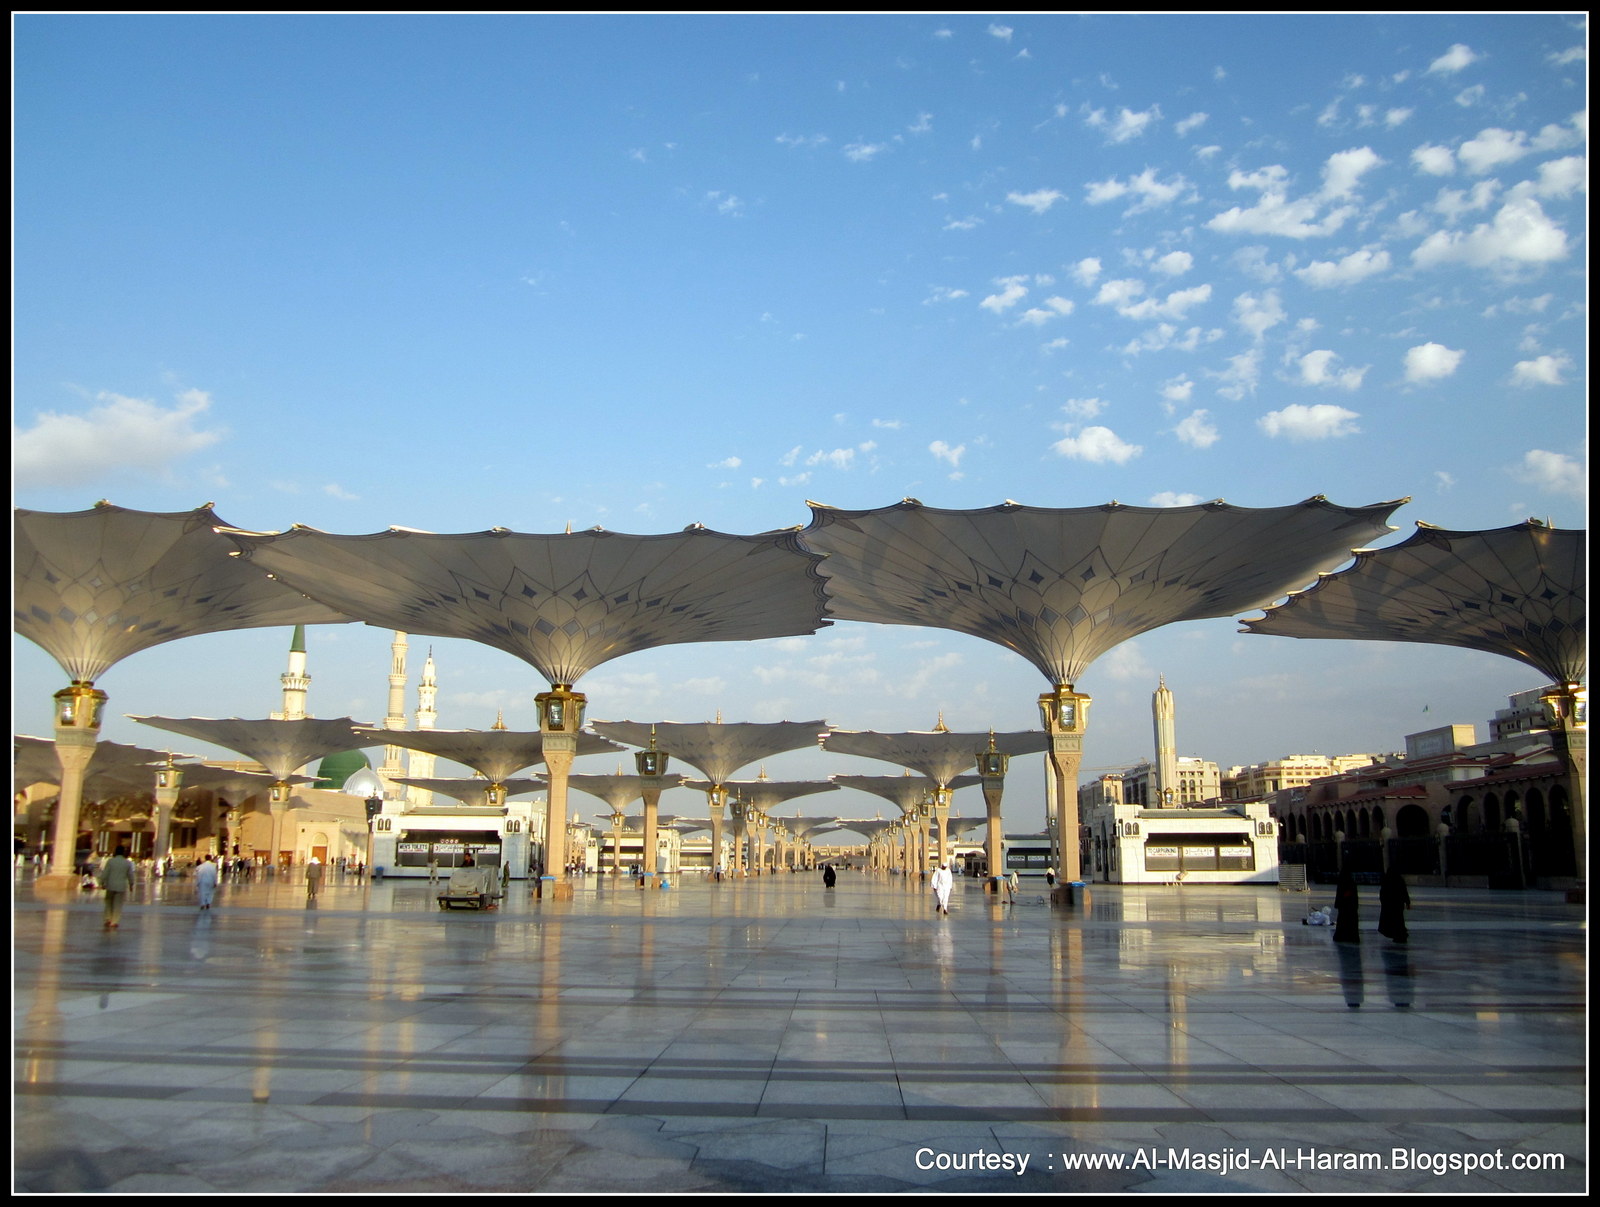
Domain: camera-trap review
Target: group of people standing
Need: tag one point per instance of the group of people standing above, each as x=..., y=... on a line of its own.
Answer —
x=1393, y=901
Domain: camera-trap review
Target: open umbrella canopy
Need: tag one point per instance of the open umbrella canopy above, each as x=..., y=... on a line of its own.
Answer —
x=1517, y=591
x=92, y=587
x=279, y=746
x=714, y=748
x=563, y=603
x=1061, y=586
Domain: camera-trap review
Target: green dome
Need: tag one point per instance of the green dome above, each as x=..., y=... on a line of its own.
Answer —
x=336, y=768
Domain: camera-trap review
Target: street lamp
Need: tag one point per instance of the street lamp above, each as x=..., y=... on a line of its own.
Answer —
x=1065, y=715
x=374, y=807
x=652, y=766
x=992, y=766
x=77, y=725
x=560, y=718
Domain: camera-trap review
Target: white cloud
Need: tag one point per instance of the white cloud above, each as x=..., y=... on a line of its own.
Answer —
x=1554, y=472
x=1275, y=213
x=1341, y=175
x=1119, y=293
x=1176, y=305
x=334, y=490
x=1317, y=369
x=862, y=152
x=1541, y=371
x=1197, y=430
x=1240, y=378
x=942, y=294
x=1097, y=444
x=1431, y=362
x=1012, y=291
x=120, y=435
x=1126, y=126
x=1452, y=204
x=1171, y=498
x=1520, y=234
x=891, y=424
x=1453, y=60
x=1193, y=122
x=1469, y=97
x=962, y=224
x=1038, y=201
x=802, y=140
x=923, y=124
x=1300, y=423
x=1444, y=479
x=1396, y=117
x=1492, y=148
x=726, y=463
x=1085, y=271
x=944, y=452
x=1003, y=32
x=1357, y=266
x=1083, y=408
x=1562, y=177
x=1174, y=263
x=1178, y=389
x=1150, y=191
x=1258, y=315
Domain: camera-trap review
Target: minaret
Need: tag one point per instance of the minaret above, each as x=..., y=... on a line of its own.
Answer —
x=296, y=683
x=421, y=763
x=1166, y=747
x=394, y=756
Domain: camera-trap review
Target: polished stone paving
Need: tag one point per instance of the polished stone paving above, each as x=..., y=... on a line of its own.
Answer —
x=773, y=1036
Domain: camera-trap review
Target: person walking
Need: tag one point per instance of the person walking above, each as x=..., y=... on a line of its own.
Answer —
x=1346, y=908
x=941, y=884
x=313, y=877
x=433, y=869
x=1393, y=901
x=117, y=878
x=205, y=881
x=829, y=876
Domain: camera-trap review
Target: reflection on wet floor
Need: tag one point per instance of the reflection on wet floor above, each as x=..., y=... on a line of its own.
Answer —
x=768, y=1035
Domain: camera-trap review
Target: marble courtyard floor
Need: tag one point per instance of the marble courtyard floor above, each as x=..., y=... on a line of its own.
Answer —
x=770, y=1035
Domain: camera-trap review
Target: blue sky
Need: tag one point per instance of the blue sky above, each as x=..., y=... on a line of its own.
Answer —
x=640, y=272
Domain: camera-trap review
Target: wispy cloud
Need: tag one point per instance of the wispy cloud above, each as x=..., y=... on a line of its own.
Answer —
x=120, y=436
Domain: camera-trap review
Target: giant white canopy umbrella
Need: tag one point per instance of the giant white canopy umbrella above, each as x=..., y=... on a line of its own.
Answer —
x=1517, y=591
x=563, y=603
x=1061, y=586
x=92, y=587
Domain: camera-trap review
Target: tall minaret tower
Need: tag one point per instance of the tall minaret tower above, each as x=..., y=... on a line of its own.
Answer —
x=394, y=756
x=296, y=683
x=427, y=718
x=1166, y=746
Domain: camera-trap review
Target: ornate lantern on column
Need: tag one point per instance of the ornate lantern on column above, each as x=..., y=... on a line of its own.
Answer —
x=1065, y=715
x=77, y=725
x=652, y=766
x=560, y=718
x=992, y=766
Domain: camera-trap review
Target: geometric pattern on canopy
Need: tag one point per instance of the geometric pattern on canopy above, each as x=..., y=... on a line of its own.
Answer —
x=472, y=791
x=766, y=795
x=713, y=748
x=1061, y=586
x=279, y=746
x=905, y=791
x=619, y=791
x=939, y=755
x=94, y=586
x=563, y=603
x=496, y=754
x=1517, y=591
